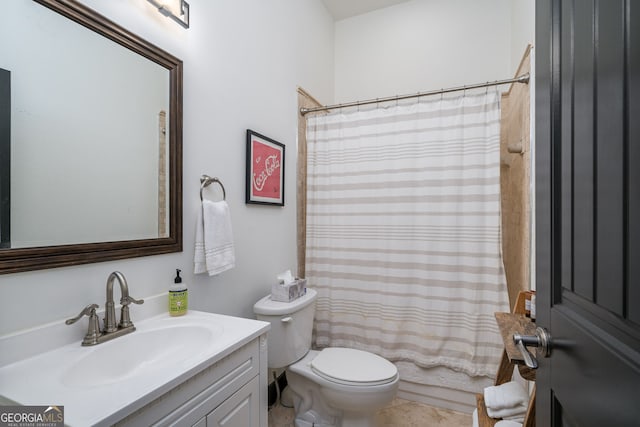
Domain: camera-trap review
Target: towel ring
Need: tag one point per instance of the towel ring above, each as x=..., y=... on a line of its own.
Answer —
x=206, y=180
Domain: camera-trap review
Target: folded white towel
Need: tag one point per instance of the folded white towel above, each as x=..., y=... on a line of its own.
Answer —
x=516, y=413
x=515, y=418
x=507, y=423
x=507, y=395
x=214, y=249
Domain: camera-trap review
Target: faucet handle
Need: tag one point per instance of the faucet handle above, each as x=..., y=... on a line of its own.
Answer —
x=126, y=300
x=93, y=331
x=125, y=319
x=89, y=310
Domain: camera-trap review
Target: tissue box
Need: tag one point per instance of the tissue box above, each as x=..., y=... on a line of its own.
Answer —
x=290, y=291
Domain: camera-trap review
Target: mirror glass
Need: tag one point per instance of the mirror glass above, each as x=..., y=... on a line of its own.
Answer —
x=94, y=136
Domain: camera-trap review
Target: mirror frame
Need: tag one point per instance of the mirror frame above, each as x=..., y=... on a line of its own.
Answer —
x=36, y=258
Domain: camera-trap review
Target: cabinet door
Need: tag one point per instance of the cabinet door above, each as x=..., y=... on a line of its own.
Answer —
x=240, y=410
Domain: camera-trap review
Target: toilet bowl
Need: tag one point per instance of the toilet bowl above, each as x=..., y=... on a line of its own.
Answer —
x=332, y=387
x=349, y=400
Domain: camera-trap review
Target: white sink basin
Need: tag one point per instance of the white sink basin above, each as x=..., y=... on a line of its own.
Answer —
x=138, y=352
x=101, y=384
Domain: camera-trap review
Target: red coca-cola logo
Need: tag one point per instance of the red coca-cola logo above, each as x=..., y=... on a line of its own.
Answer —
x=266, y=170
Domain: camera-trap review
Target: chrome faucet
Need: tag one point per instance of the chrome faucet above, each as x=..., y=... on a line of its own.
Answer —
x=109, y=307
x=111, y=330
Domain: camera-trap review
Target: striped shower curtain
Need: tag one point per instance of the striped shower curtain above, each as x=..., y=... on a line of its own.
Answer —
x=403, y=231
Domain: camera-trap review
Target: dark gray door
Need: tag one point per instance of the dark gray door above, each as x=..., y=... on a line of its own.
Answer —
x=5, y=158
x=588, y=210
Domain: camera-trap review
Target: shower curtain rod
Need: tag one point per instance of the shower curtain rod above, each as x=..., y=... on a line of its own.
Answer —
x=520, y=79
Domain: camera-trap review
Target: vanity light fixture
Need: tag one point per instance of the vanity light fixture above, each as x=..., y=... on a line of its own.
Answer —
x=178, y=10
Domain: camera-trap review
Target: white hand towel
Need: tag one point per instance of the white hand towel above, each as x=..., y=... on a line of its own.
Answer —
x=199, y=261
x=507, y=395
x=507, y=424
x=214, y=249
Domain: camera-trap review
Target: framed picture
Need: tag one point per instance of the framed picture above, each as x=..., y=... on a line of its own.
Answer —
x=265, y=170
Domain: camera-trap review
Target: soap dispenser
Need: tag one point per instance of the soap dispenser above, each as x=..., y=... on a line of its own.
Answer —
x=178, y=296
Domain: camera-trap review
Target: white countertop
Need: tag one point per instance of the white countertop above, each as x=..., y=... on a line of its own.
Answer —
x=44, y=379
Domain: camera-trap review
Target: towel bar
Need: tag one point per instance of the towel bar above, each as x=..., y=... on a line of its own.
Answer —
x=206, y=180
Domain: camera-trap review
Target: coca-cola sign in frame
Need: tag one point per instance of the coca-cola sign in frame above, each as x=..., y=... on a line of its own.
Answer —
x=265, y=170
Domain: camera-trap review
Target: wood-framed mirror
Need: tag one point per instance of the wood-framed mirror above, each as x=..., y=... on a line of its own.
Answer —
x=94, y=140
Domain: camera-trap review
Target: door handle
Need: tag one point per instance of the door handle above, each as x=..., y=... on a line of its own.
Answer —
x=541, y=340
x=529, y=359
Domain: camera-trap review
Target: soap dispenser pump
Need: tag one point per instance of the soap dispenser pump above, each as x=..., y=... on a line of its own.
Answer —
x=178, y=296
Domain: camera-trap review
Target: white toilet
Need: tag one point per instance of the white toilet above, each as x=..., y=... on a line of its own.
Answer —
x=338, y=387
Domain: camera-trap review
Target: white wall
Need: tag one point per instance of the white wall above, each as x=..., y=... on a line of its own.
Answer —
x=242, y=62
x=424, y=45
x=523, y=25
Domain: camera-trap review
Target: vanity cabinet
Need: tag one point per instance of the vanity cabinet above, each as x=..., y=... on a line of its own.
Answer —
x=197, y=369
x=227, y=393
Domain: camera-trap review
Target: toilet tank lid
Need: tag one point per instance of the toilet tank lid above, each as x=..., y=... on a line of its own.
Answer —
x=268, y=307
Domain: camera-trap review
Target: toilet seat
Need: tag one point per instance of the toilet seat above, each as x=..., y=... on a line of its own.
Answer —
x=353, y=367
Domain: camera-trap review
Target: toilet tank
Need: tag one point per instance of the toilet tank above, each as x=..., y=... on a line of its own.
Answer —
x=289, y=338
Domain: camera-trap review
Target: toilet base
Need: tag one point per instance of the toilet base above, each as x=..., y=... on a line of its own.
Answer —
x=321, y=403
x=310, y=408
x=311, y=419
x=286, y=398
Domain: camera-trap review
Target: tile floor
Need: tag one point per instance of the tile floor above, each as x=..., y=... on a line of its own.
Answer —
x=400, y=413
